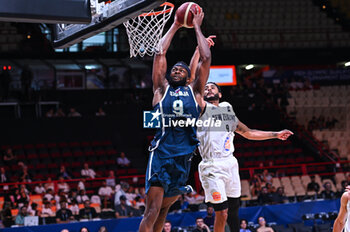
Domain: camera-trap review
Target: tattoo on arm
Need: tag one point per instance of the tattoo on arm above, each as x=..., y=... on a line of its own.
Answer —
x=274, y=134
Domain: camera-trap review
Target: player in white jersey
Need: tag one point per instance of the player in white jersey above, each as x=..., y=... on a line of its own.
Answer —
x=343, y=219
x=218, y=170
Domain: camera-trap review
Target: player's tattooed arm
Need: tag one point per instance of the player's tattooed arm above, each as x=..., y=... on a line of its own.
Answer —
x=253, y=134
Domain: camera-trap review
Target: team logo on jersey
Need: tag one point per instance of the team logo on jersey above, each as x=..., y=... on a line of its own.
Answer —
x=216, y=196
x=227, y=144
x=151, y=119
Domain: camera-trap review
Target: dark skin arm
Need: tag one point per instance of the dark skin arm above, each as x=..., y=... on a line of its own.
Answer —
x=160, y=64
x=205, y=59
x=195, y=58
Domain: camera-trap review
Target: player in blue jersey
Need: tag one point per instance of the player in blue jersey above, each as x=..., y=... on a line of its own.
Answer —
x=175, y=101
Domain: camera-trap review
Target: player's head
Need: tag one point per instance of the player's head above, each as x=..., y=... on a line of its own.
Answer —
x=212, y=92
x=180, y=73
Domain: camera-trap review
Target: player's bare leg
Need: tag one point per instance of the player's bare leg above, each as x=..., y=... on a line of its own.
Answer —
x=220, y=220
x=167, y=203
x=154, y=202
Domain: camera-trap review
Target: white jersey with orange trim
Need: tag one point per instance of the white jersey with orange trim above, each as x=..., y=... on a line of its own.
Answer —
x=217, y=142
x=218, y=170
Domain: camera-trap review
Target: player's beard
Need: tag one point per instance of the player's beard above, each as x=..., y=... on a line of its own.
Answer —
x=213, y=98
x=181, y=82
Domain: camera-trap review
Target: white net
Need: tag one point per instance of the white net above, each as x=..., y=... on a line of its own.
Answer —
x=145, y=31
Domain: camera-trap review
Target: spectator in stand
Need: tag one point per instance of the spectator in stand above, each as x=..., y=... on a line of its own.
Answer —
x=81, y=184
x=73, y=113
x=266, y=176
x=9, y=158
x=50, y=113
x=262, y=226
x=33, y=210
x=313, y=185
x=64, y=173
x=100, y=112
x=121, y=192
x=279, y=196
x=49, y=194
x=25, y=176
x=47, y=211
x=3, y=175
x=74, y=207
x=139, y=204
x=244, y=226
x=105, y=191
x=123, y=210
x=167, y=226
x=82, y=197
x=62, y=185
x=327, y=193
x=201, y=226
x=264, y=197
x=39, y=189
x=210, y=218
x=72, y=195
x=49, y=184
x=88, y=172
x=87, y=212
x=60, y=113
x=256, y=189
x=102, y=229
x=59, y=197
x=111, y=179
x=270, y=188
x=123, y=161
x=95, y=199
x=22, y=213
x=22, y=198
x=64, y=215
x=84, y=229
x=6, y=215
x=256, y=178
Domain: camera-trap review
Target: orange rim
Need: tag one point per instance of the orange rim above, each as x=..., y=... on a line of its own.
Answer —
x=160, y=12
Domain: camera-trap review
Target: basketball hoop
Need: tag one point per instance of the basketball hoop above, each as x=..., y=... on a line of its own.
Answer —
x=145, y=31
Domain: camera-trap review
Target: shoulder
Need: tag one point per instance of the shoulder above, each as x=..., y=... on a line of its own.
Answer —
x=345, y=198
x=225, y=104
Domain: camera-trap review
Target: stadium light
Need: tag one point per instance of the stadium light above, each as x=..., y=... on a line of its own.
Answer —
x=347, y=64
x=249, y=66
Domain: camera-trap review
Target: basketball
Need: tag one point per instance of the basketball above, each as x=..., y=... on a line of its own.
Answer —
x=184, y=15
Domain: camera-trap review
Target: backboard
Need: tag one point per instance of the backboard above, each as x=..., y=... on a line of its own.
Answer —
x=105, y=16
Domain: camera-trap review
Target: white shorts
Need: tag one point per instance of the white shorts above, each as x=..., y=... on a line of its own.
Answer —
x=220, y=179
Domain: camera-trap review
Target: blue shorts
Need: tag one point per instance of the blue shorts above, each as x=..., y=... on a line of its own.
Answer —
x=169, y=173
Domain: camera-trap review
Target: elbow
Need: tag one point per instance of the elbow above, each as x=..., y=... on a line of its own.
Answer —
x=206, y=58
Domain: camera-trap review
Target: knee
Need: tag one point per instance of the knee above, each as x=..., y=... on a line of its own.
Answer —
x=221, y=215
x=152, y=211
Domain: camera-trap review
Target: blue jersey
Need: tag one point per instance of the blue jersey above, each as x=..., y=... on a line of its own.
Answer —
x=177, y=134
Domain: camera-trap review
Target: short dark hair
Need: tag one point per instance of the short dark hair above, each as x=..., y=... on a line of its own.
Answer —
x=167, y=221
x=240, y=222
x=217, y=86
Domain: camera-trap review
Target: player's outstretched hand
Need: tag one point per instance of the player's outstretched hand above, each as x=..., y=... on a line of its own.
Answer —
x=284, y=134
x=197, y=17
x=210, y=40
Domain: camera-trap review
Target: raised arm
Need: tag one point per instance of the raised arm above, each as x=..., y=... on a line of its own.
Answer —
x=205, y=59
x=339, y=223
x=253, y=134
x=160, y=63
x=195, y=58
